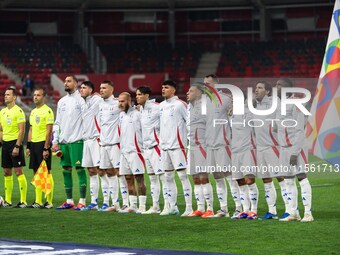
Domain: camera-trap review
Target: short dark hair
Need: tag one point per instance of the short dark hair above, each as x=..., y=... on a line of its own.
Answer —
x=267, y=86
x=13, y=89
x=287, y=81
x=199, y=85
x=88, y=84
x=213, y=76
x=73, y=77
x=108, y=82
x=144, y=90
x=169, y=82
x=43, y=90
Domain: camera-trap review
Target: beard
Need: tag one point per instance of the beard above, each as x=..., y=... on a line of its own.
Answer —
x=124, y=108
x=68, y=89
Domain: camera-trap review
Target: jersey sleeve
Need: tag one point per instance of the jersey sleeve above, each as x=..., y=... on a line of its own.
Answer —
x=137, y=118
x=183, y=111
x=56, y=127
x=49, y=117
x=1, y=118
x=30, y=118
x=157, y=124
x=188, y=121
x=300, y=131
x=21, y=116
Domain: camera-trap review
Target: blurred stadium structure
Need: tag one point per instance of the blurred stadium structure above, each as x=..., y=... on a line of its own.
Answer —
x=146, y=41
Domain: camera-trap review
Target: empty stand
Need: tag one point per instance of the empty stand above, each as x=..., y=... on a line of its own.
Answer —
x=41, y=58
x=296, y=58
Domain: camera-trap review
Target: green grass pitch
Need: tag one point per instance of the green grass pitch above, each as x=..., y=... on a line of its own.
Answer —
x=178, y=233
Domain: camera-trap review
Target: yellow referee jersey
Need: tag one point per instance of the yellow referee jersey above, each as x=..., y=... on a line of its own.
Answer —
x=39, y=118
x=10, y=118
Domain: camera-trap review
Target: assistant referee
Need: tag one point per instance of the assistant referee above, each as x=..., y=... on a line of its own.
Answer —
x=39, y=143
x=12, y=131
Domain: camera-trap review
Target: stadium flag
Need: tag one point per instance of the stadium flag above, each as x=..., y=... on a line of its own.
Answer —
x=42, y=179
x=323, y=126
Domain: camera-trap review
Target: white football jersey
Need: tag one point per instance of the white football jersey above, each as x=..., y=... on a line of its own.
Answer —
x=173, y=117
x=108, y=117
x=150, y=124
x=68, y=126
x=293, y=137
x=218, y=136
x=90, y=112
x=196, y=124
x=131, y=131
x=265, y=137
x=242, y=136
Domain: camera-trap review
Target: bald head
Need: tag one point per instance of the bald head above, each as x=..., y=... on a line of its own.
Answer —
x=126, y=94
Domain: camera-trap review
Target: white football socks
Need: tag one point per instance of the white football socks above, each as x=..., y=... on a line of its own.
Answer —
x=70, y=201
x=306, y=194
x=187, y=189
x=165, y=190
x=105, y=189
x=253, y=196
x=284, y=194
x=292, y=194
x=244, y=197
x=113, y=188
x=82, y=201
x=235, y=192
x=222, y=192
x=208, y=195
x=133, y=202
x=94, y=188
x=124, y=190
x=172, y=189
x=142, y=203
x=270, y=197
x=199, y=195
x=155, y=190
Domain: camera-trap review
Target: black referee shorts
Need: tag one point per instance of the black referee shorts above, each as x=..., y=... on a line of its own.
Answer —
x=7, y=160
x=37, y=156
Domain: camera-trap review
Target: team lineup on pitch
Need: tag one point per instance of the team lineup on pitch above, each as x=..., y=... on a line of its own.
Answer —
x=170, y=127
x=280, y=169
x=119, y=143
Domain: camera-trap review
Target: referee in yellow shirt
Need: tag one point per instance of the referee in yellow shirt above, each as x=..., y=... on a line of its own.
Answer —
x=39, y=143
x=12, y=131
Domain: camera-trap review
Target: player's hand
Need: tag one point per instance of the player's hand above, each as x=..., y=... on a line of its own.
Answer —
x=230, y=111
x=293, y=160
x=46, y=154
x=55, y=147
x=28, y=152
x=15, y=152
